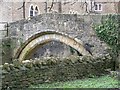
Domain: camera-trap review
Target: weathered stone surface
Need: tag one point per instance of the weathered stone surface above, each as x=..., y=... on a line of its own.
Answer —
x=79, y=27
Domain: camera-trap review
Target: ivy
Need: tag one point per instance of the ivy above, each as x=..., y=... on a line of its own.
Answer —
x=108, y=30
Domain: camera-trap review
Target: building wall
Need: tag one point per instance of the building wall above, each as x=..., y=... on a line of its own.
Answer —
x=5, y=12
x=13, y=11
x=109, y=8
x=17, y=11
x=5, y=16
x=73, y=8
x=119, y=7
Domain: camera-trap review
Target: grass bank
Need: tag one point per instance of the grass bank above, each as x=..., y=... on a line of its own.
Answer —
x=96, y=82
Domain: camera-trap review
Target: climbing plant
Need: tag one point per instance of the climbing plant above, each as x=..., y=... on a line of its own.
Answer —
x=108, y=31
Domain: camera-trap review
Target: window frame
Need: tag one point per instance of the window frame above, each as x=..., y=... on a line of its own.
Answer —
x=30, y=10
x=36, y=10
x=98, y=7
x=33, y=11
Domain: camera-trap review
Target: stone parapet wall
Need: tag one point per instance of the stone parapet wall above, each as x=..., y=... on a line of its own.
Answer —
x=48, y=70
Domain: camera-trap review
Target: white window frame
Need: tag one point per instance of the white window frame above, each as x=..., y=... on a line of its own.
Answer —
x=98, y=6
x=34, y=7
x=30, y=10
x=35, y=10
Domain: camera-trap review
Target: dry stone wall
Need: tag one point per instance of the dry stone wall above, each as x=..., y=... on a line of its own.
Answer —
x=51, y=69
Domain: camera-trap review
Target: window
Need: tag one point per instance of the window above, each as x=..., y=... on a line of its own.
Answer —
x=98, y=7
x=33, y=11
x=36, y=11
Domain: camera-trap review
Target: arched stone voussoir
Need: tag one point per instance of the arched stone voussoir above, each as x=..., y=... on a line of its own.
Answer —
x=40, y=39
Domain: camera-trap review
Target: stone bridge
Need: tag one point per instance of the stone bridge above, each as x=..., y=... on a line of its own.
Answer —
x=72, y=30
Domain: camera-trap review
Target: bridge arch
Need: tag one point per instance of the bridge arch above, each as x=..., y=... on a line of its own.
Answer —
x=44, y=37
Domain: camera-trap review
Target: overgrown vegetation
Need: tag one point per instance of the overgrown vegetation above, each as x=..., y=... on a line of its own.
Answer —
x=98, y=82
x=108, y=31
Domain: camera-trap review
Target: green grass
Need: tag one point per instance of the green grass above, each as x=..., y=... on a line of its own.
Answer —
x=98, y=82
